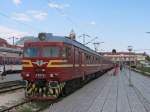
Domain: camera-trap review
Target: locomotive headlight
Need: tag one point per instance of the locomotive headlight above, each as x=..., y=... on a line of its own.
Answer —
x=27, y=75
x=43, y=70
x=53, y=74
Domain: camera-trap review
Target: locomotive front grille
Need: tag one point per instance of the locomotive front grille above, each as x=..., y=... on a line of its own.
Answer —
x=39, y=70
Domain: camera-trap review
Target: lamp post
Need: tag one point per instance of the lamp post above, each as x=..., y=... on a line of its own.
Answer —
x=130, y=48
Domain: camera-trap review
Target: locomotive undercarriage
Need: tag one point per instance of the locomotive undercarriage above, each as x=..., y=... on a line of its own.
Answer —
x=41, y=89
x=44, y=89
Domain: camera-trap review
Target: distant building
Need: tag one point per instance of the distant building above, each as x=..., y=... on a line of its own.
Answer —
x=141, y=56
x=125, y=57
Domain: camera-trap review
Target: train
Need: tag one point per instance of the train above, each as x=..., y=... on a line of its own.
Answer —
x=10, y=60
x=54, y=66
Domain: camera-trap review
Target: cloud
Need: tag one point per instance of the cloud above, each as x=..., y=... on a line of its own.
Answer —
x=30, y=16
x=17, y=2
x=58, y=6
x=6, y=32
x=21, y=17
x=93, y=23
x=39, y=15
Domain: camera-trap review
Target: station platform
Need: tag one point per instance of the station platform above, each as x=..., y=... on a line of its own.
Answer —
x=10, y=77
x=109, y=94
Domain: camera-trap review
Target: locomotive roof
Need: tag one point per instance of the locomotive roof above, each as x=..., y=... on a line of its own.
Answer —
x=53, y=38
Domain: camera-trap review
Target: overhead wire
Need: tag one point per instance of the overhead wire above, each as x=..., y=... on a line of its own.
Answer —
x=63, y=14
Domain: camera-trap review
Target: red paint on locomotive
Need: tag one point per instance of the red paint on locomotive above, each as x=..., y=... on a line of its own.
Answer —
x=69, y=62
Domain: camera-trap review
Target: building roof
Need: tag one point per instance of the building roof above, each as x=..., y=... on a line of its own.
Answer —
x=117, y=53
x=10, y=50
x=122, y=53
x=6, y=47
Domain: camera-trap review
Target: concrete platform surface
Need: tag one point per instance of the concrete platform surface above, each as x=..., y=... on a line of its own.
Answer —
x=109, y=94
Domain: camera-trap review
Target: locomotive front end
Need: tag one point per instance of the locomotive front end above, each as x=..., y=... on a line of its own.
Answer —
x=40, y=72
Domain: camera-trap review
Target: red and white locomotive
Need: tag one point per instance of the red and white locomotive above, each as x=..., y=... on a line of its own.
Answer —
x=56, y=65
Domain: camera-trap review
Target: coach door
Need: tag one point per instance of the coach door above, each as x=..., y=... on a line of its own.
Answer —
x=76, y=61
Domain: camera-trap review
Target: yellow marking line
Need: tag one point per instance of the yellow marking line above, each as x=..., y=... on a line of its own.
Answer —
x=28, y=63
x=51, y=64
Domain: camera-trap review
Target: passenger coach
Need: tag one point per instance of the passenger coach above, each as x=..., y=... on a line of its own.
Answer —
x=10, y=60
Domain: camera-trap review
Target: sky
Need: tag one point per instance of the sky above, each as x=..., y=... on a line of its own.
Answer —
x=117, y=23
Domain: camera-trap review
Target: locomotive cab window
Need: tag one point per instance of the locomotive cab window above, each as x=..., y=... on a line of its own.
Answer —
x=31, y=52
x=50, y=51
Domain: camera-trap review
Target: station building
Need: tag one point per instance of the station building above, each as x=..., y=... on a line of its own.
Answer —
x=125, y=57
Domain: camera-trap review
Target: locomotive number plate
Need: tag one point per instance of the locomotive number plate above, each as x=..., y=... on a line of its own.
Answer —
x=40, y=75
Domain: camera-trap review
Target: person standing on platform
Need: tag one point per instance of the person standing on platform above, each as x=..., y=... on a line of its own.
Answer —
x=116, y=69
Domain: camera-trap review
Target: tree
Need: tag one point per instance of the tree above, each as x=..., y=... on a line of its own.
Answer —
x=148, y=58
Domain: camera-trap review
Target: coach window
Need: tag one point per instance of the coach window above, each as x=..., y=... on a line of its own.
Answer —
x=93, y=59
x=64, y=52
x=9, y=60
x=90, y=61
x=96, y=59
x=6, y=60
x=86, y=59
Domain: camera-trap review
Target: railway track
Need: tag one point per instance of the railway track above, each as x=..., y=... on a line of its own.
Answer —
x=7, y=109
x=11, y=85
x=20, y=106
x=38, y=106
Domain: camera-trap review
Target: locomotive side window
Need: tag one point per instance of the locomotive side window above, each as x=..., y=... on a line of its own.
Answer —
x=50, y=51
x=66, y=52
